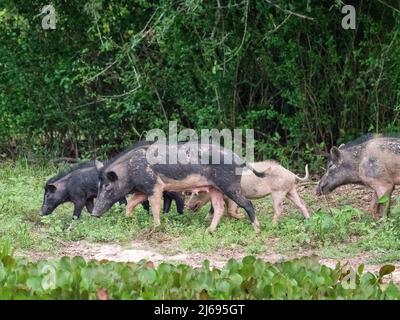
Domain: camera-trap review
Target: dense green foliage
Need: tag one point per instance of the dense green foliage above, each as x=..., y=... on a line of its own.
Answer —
x=111, y=70
x=74, y=278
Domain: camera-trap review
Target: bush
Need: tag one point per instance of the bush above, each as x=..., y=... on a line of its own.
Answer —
x=129, y=66
x=251, y=278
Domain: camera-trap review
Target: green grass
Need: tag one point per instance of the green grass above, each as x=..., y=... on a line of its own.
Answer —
x=335, y=233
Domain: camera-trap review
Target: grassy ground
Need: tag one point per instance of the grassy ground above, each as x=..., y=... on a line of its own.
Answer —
x=337, y=230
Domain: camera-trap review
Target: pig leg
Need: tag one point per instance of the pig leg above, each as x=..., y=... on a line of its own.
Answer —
x=135, y=199
x=179, y=202
x=122, y=201
x=210, y=213
x=146, y=206
x=155, y=203
x=177, y=197
x=217, y=201
x=79, y=201
x=89, y=205
x=277, y=201
x=295, y=198
x=233, y=209
x=227, y=203
x=374, y=205
x=78, y=206
x=381, y=190
x=236, y=195
x=167, y=202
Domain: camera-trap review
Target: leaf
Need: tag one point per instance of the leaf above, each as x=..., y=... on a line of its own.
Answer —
x=6, y=249
x=392, y=291
x=49, y=280
x=223, y=286
x=206, y=264
x=3, y=273
x=34, y=283
x=249, y=260
x=384, y=199
x=386, y=269
x=78, y=262
x=360, y=269
x=203, y=295
x=236, y=279
x=8, y=261
x=147, y=276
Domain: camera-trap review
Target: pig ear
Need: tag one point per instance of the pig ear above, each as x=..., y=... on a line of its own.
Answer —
x=99, y=165
x=112, y=176
x=52, y=188
x=335, y=154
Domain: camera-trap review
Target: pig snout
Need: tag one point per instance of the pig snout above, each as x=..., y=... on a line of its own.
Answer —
x=100, y=207
x=194, y=207
x=96, y=214
x=318, y=190
x=322, y=188
x=43, y=211
x=46, y=210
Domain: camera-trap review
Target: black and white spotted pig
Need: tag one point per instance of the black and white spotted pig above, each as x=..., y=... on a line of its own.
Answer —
x=131, y=171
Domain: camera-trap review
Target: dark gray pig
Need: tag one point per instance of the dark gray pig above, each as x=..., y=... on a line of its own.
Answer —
x=372, y=160
x=131, y=171
x=79, y=185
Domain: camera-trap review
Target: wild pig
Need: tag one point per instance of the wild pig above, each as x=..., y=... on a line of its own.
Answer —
x=279, y=182
x=79, y=185
x=372, y=160
x=131, y=171
x=168, y=198
x=175, y=196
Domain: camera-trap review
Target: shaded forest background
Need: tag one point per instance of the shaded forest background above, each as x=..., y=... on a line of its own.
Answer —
x=111, y=70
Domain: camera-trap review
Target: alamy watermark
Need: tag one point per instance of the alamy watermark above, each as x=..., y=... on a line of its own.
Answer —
x=349, y=20
x=49, y=19
x=211, y=146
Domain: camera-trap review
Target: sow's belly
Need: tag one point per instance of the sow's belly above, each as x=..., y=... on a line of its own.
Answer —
x=193, y=183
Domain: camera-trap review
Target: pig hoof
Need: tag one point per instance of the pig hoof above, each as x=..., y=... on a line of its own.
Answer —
x=236, y=216
x=156, y=227
x=211, y=231
x=256, y=227
x=128, y=214
x=75, y=217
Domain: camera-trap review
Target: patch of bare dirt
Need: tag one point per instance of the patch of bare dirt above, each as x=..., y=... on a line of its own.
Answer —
x=137, y=251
